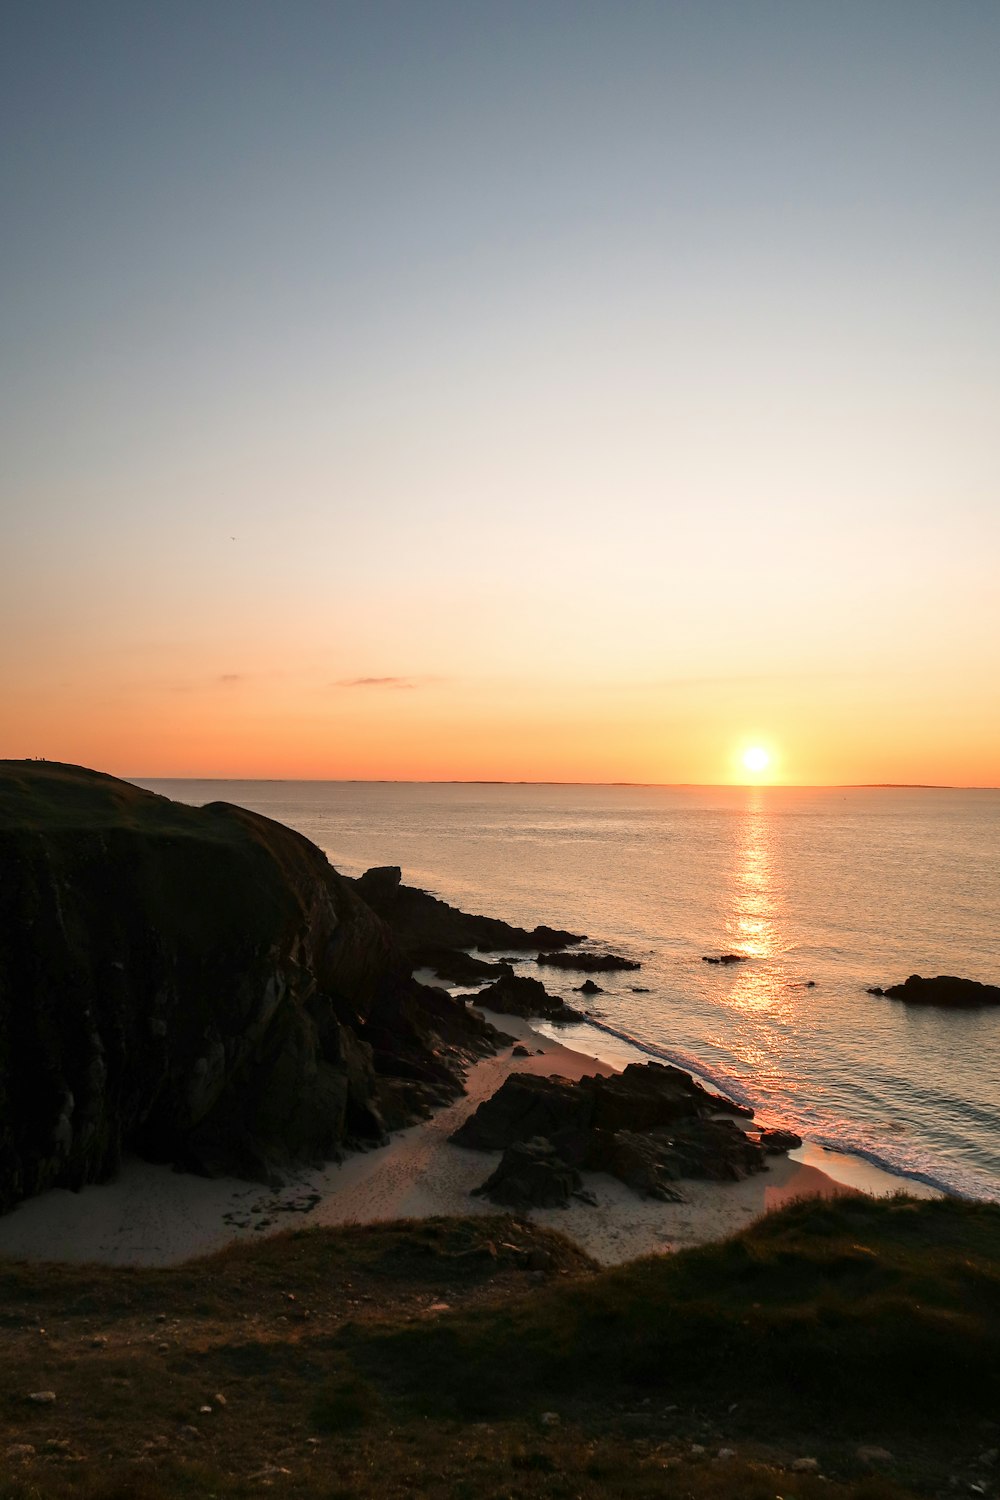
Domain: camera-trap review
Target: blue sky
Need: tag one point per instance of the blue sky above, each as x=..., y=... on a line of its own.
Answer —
x=548, y=351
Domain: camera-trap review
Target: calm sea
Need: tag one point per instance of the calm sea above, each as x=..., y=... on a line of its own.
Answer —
x=845, y=888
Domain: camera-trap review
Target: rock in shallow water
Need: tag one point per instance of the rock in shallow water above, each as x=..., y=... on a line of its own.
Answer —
x=588, y=963
x=519, y=995
x=945, y=989
x=776, y=1142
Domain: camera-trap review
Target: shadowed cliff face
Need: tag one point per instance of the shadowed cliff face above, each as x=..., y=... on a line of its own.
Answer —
x=195, y=984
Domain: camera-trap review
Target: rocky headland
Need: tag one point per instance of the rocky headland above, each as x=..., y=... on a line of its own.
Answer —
x=197, y=985
x=438, y=936
x=430, y=932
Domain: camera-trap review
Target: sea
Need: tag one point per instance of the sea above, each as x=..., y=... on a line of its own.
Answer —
x=825, y=891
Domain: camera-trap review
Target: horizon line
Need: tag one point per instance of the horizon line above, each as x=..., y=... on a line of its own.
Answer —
x=801, y=786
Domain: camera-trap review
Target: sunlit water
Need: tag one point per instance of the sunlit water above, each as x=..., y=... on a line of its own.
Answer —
x=847, y=888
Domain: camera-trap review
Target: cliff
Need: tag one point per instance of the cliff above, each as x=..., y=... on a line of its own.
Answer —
x=196, y=985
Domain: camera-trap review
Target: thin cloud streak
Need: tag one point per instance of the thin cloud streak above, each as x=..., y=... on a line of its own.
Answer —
x=393, y=683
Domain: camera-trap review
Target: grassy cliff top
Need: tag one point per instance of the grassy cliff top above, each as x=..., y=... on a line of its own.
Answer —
x=43, y=796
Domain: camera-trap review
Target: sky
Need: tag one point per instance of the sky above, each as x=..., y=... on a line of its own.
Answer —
x=519, y=390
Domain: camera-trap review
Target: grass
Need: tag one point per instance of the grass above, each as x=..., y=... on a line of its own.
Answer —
x=48, y=796
x=853, y=1306
x=421, y=1358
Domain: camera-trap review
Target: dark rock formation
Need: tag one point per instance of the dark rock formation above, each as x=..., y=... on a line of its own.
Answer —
x=648, y=1126
x=588, y=987
x=527, y=1105
x=520, y=1050
x=725, y=958
x=531, y=1174
x=776, y=1142
x=588, y=963
x=197, y=985
x=635, y=1160
x=518, y=995
x=651, y=1161
x=457, y=966
x=642, y=1097
x=957, y=994
x=649, y=1094
x=420, y=922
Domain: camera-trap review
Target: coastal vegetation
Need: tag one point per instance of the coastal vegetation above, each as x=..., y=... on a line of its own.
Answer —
x=837, y=1348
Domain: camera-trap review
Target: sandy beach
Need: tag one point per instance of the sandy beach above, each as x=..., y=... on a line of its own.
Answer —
x=154, y=1216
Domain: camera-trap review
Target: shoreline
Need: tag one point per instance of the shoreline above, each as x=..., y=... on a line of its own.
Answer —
x=153, y=1216
x=846, y=1168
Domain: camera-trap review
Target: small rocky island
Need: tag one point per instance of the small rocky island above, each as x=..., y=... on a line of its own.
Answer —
x=945, y=990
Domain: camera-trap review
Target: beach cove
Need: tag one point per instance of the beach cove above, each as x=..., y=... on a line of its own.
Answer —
x=154, y=1216
x=318, y=1015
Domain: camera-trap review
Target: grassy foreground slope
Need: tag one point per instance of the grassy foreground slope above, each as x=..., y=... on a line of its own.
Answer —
x=428, y=1358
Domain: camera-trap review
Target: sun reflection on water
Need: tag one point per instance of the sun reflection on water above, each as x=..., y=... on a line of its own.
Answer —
x=753, y=899
x=755, y=918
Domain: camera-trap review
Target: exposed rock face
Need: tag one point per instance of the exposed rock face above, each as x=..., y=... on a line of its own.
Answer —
x=776, y=1142
x=651, y=1162
x=588, y=963
x=527, y=1105
x=197, y=985
x=724, y=958
x=518, y=995
x=946, y=989
x=422, y=924
x=648, y=1126
x=642, y=1097
x=531, y=1174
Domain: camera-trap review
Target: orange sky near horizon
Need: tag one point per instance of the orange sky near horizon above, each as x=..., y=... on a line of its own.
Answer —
x=513, y=392
x=506, y=731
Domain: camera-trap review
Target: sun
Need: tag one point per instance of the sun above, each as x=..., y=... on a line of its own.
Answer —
x=756, y=758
